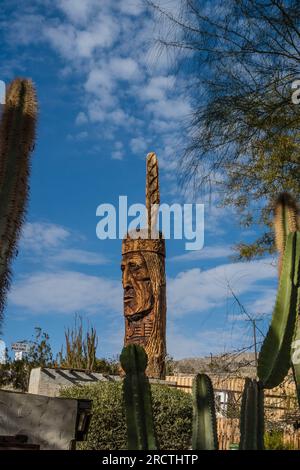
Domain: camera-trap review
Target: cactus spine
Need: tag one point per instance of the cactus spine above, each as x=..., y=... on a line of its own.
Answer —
x=137, y=398
x=17, y=135
x=275, y=355
x=285, y=326
x=286, y=220
x=252, y=417
x=205, y=436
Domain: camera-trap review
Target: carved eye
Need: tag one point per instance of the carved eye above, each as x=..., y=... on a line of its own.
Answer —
x=122, y=267
x=134, y=266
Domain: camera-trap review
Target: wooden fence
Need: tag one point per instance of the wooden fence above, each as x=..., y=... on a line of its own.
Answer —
x=280, y=404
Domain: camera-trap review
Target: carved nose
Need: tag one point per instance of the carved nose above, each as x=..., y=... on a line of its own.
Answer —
x=126, y=280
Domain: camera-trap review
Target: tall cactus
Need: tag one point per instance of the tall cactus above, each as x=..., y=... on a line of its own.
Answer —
x=286, y=220
x=137, y=398
x=275, y=355
x=17, y=136
x=252, y=417
x=205, y=436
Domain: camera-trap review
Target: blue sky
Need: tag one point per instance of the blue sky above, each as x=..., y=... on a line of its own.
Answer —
x=107, y=98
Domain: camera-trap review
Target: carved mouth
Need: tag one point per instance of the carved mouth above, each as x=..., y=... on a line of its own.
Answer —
x=128, y=294
x=128, y=297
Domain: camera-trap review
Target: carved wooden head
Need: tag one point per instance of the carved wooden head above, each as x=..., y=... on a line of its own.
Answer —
x=144, y=281
x=138, y=292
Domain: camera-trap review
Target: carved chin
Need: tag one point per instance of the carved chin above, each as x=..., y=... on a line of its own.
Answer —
x=135, y=313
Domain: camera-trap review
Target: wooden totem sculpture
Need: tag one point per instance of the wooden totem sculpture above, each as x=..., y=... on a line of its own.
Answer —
x=144, y=281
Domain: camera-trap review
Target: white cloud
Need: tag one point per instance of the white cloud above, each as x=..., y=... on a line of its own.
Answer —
x=105, y=45
x=78, y=11
x=76, y=256
x=204, y=342
x=49, y=242
x=117, y=155
x=62, y=37
x=38, y=236
x=119, y=145
x=77, y=44
x=67, y=292
x=97, y=80
x=176, y=108
x=77, y=137
x=81, y=118
x=123, y=68
x=131, y=7
x=138, y=145
x=264, y=304
x=208, y=252
x=194, y=290
x=157, y=88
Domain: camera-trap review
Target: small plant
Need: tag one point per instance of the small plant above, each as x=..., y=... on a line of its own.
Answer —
x=80, y=348
x=274, y=441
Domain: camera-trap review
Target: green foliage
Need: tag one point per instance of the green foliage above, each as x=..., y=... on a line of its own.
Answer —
x=80, y=347
x=274, y=441
x=252, y=416
x=205, y=436
x=137, y=399
x=16, y=373
x=244, y=136
x=107, y=366
x=275, y=355
x=170, y=365
x=40, y=353
x=172, y=414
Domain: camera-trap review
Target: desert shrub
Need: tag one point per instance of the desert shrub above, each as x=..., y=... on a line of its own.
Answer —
x=274, y=441
x=172, y=411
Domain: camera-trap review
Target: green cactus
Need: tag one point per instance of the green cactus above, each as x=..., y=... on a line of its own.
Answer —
x=252, y=416
x=286, y=220
x=205, y=436
x=275, y=355
x=17, y=135
x=137, y=399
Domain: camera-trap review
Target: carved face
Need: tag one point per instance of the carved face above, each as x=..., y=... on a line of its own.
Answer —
x=138, y=293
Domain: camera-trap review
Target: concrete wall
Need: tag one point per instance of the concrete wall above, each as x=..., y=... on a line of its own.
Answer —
x=48, y=422
x=46, y=381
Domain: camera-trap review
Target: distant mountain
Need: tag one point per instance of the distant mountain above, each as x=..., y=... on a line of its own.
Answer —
x=239, y=364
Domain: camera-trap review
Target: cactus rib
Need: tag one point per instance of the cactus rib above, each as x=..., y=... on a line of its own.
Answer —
x=275, y=356
x=205, y=436
x=286, y=220
x=137, y=399
x=252, y=417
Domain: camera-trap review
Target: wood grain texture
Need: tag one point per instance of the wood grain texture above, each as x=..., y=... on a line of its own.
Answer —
x=144, y=283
